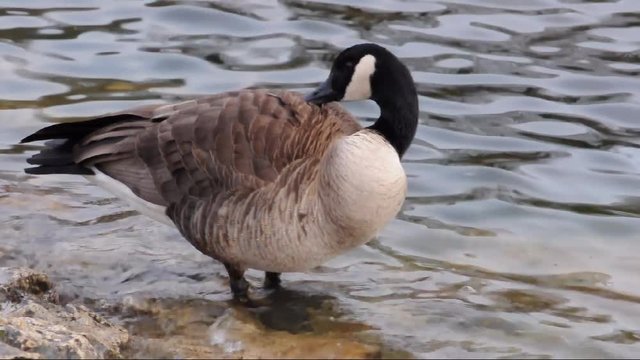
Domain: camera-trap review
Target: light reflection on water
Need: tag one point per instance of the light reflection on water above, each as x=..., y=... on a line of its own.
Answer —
x=519, y=234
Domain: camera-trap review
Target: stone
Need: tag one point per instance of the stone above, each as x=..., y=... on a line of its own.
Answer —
x=200, y=328
x=35, y=325
x=9, y=352
x=238, y=334
x=14, y=282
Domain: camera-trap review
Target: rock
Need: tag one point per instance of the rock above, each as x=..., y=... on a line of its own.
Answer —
x=169, y=328
x=34, y=325
x=200, y=328
x=174, y=347
x=14, y=282
x=9, y=352
x=239, y=334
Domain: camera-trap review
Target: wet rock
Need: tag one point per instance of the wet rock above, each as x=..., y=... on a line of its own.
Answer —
x=174, y=347
x=34, y=325
x=9, y=352
x=200, y=328
x=15, y=282
x=238, y=334
x=167, y=328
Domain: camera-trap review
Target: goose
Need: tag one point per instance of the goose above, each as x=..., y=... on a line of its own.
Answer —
x=256, y=179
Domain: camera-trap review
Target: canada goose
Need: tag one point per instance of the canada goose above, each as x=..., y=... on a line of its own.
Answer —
x=268, y=180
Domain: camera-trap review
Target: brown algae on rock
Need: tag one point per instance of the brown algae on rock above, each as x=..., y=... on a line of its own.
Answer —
x=199, y=328
x=291, y=324
x=239, y=334
x=34, y=325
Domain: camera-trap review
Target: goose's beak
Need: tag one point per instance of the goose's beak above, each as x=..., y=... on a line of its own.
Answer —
x=322, y=94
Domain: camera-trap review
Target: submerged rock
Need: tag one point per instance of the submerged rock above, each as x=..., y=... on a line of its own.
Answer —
x=239, y=334
x=34, y=325
x=200, y=328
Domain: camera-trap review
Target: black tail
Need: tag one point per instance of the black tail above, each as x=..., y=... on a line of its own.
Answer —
x=57, y=156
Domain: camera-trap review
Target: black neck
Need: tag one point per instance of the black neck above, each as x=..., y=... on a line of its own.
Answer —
x=398, y=119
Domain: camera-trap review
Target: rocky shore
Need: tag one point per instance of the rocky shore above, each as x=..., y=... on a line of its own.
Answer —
x=35, y=323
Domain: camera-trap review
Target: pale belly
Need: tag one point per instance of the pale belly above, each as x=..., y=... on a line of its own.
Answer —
x=121, y=191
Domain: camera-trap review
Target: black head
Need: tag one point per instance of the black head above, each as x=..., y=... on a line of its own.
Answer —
x=361, y=72
x=369, y=71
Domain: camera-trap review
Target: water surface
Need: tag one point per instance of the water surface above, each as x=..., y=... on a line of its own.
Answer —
x=520, y=233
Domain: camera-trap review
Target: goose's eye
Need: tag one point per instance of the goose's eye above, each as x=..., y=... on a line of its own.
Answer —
x=349, y=64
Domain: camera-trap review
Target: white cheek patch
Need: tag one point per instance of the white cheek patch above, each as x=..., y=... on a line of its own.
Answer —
x=359, y=87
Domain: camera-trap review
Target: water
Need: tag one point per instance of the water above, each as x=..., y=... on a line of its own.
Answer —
x=520, y=233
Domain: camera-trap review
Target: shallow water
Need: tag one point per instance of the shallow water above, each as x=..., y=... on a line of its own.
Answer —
x=520, y=234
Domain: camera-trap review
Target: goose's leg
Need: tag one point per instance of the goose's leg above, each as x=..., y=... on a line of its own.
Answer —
x=239, y=285
x=271, y=280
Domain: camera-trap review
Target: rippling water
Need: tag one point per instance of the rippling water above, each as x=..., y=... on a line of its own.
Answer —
x=520, y=235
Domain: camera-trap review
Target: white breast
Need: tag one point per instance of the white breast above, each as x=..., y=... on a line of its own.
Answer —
x=366, y=180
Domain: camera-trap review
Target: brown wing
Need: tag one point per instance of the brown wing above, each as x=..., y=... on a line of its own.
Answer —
x=222, y=142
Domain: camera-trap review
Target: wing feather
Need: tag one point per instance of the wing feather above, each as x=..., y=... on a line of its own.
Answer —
x=237, y=140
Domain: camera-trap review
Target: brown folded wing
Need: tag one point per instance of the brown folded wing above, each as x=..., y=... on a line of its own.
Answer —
x=236, y=140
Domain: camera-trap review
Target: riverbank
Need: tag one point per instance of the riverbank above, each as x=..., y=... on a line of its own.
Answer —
x=38, y=323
